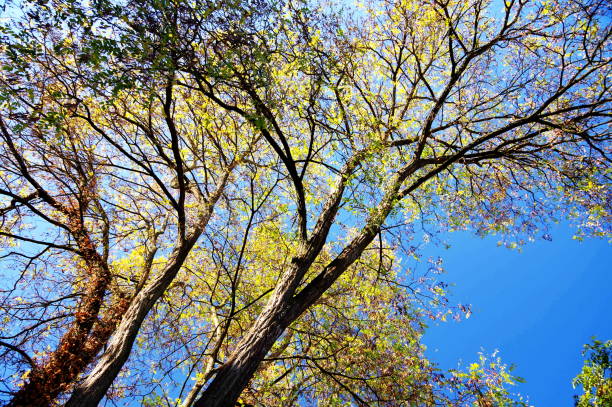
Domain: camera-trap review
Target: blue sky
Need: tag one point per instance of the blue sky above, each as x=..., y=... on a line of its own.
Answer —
x=538, y=307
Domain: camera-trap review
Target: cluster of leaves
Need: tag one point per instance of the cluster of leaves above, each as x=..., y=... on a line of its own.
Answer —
x=596, y=375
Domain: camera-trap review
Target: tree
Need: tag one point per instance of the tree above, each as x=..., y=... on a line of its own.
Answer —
x=596, y=375
x=201, y=159
x=100, y=171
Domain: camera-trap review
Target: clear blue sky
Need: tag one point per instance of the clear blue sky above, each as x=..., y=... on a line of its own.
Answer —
x=538, y=307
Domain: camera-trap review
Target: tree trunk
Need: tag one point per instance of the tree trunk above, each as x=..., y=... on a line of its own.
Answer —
x=235, y=374
x=75, y=352
x=85, y=337
x=282, y=309
x=285, y=306
x=94, y=387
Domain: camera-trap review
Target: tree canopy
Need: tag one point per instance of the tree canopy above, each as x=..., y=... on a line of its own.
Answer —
x=206, y=203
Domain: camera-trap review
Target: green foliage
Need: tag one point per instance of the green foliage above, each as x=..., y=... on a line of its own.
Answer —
x=596, y=375
x=488, y=380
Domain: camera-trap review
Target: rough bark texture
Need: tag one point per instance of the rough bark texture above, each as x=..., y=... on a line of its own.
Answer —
x=75, y=352
x=95, y=386
x=84, y=339
x=235, y=374
x=284, y=306
x=279, y=313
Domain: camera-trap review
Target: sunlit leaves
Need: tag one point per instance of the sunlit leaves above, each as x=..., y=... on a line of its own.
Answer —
x=596, y=375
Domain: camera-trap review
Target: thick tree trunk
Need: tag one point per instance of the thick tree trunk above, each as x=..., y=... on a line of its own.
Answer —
x=235, y=374
x=75, y=352
x=282, y=309
x=94, y=387
x=85, y=337
x=285, y=306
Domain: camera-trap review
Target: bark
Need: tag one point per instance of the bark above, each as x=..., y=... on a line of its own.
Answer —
x=279, y=313
x=284, y=307
x=85, y=337
x=75, y=352
x=94, y=387
x=235, y=374
x=96, y=384
x=87, y=333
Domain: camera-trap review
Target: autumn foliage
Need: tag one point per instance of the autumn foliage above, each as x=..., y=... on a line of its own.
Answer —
x=205, y=203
